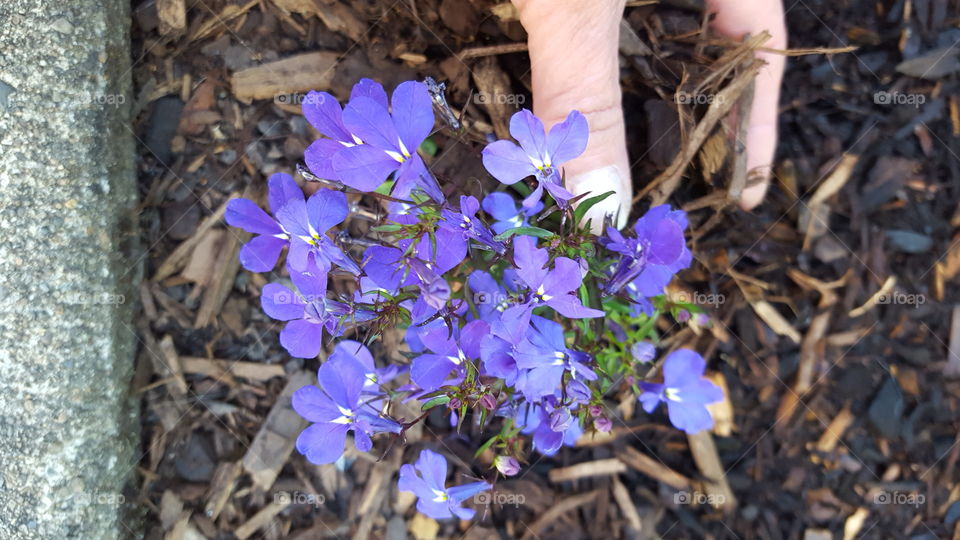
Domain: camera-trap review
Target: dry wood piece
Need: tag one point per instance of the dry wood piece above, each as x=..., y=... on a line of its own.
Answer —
x=172, y=363
x=378, y=486
x=952, y=368
x=178, y=257
x=875, y=299
x=221, y=280
x=271, y=447
x=854, y=523
x=261, y=518
x=493, y=89
x=217, y=368
x=221, y=487
x=715, y=484
x=300, y=73
x=562, y=507
x=834, y=432
x=653, y=468
x=172, y=15
x=721, y=411
x=219, y=21
x=622, y=496
x=602, y=467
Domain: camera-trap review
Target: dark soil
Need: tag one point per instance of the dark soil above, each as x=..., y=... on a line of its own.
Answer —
x=853, y=426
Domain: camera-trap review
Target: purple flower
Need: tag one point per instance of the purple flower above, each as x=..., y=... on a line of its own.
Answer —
x=390, y=141
x=552, y=287
x=551, y=426
x=508, y=466
x=374, y=376
x=450, y=353
x=643, y=352
x=436, y=500
x=336, y=408
x=309, y=313
x=499, y=348
x=260, y=254
x=653, y=256
x=503, y=209
x=539, y=154
x=308, y=222
x=685, y=391
x=324, y=113
x=544, y=357
x=466, y=224
x=390, y=269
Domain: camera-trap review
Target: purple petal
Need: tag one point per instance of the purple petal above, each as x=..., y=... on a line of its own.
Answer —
x=650, y=398
x=529, y=260
x=319, y=157
x=312, y=284
x=652, y=280
x=323, y=443
x=326, y=208
x=546, y=441
x=500, y=206
x=683, y=367
x=666, y=244
x=245, y=214
x=689, y=418
x=293, y=217
x=410, y=481
x=323, y=112
x=370, y=121
x=557, y=191
x=412, y=113
x=282, y=189
x=469, y=206
x=434, y=509
x=564, y=277
x=342, y=378
x=470, y=336
x=314, y=406
x=363, y=167
x=433, y=468
x=568, y=139
x=533, y=199
x=260, y=254
x=569, y=305
x=355, y=350
x=371, y=89
x=280, y=303
x=528, y=130
x=302, y=339
x=507, y=162
x=429, y=371
x=361, y=440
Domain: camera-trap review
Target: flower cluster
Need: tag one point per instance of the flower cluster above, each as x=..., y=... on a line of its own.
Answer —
x=516, y=315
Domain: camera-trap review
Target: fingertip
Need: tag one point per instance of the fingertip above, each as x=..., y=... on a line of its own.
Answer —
x=754, y=193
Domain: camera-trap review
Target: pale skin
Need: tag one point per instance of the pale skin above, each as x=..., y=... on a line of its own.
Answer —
x=573, y=48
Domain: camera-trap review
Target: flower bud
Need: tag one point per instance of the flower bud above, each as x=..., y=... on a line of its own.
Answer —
x=488, y=402
x=560, y=419
x=507, y=466
x=643, y=352
x=603, y=424
x=595, y=410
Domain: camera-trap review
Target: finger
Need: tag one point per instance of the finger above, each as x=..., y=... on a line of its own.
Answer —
x=737, y=19
x=574, y=63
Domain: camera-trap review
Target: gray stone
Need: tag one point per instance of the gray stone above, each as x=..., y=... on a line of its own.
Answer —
x=68, y=423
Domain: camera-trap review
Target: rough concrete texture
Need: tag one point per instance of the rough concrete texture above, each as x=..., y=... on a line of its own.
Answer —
x=68, y=431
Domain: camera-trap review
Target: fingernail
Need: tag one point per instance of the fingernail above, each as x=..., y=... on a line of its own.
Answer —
x=598, y=182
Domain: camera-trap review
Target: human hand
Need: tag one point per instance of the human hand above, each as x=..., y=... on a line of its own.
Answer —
x=574, y=62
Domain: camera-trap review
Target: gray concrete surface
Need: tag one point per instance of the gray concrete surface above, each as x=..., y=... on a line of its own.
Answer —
x=68, y=430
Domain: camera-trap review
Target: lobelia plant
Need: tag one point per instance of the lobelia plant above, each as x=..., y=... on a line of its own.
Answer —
x=517, y=316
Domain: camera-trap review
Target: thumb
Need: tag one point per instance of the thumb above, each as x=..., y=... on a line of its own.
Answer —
x=574, y=63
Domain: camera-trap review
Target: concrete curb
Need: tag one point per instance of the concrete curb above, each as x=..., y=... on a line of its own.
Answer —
x=68, y=425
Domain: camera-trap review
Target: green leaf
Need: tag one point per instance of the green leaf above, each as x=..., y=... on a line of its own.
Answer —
x=388, y=228
x=526, y=231
x=586, y=205
x=429, y=147
x=435, y=402
x=486, y=445
x=385, y=188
